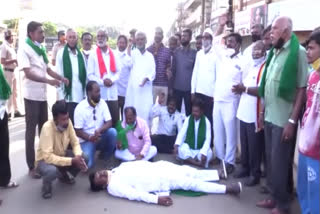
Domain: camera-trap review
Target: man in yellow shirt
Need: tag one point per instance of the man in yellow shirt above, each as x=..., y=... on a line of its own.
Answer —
x=54, y=159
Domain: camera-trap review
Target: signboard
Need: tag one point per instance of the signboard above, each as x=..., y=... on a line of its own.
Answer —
x=242, y=22
x=304, y=13
x=259, y=15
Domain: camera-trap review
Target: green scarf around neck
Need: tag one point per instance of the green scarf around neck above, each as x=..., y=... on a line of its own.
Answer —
x=288, y=79
x=5, y=90
x=41, y=51
x=67, y=70
x=190, y=138
x=122, y=134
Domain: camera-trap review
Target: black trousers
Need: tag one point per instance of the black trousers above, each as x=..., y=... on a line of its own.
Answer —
x=121, y=101
x=71, y=106
x=279, y=165
x=251, y=148
x=114, y=111
x=36, y=115
x=186, y=96
x=164, y=143
x=208, y=108
x=5, y=171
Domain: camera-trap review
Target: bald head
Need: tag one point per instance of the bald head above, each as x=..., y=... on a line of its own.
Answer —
x=258, y=50
x=281, y=31
x=141, y=40
x=72, y=38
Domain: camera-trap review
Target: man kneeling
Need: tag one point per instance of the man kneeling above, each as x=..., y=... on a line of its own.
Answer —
x=133, y=136
x=193, y=141
x=138, y=180
x=53, y=159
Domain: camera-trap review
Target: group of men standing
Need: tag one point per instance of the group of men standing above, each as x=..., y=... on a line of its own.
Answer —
x=264, y=88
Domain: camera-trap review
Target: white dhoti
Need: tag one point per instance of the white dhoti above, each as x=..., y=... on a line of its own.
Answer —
x=225, y=130
x=184, y=153
x=126, y=155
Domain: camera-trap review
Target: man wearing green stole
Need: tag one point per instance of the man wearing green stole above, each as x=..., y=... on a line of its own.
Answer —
x=193, y=141
x=71, y=65
x=33, y=60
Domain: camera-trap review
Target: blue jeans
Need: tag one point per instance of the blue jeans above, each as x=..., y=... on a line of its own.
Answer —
x=308, y=184
x=106, y=145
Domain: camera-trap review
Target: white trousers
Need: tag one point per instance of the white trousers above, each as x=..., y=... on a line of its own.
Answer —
x=126, y=155
x=225, y=130
x=184, y=152
x=12, y=102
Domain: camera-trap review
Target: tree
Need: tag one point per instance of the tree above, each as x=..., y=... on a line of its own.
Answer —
x=11, y=23
x=50, y=29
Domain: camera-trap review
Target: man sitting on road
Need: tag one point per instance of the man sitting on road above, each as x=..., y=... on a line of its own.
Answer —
x=53, y=159
x=193, y=141
x=138, y=180
x=92, y=122
x=170, y=122
x=134, y=141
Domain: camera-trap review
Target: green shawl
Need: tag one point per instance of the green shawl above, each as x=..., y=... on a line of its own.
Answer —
x=288, y=79
x=67, y=70
x=5, y=90
x=122, y=134
x=190, y=139
x=41, y=51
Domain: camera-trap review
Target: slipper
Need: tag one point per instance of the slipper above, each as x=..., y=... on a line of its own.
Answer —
x=11, y=184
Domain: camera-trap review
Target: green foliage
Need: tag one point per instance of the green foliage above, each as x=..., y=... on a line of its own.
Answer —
x=50, y=29
x=11, y=23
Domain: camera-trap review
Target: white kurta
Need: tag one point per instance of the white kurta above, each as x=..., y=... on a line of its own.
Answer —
x=138, y=179
x=140, y=97
x=185, y=151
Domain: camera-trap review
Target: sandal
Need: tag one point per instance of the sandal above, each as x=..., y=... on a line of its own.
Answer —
x=11, y=184
x=266, y=203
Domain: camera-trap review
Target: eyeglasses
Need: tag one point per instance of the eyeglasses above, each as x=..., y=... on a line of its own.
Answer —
x=94, y=114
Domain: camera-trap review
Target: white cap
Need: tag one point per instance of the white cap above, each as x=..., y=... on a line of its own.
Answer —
x=209, y=31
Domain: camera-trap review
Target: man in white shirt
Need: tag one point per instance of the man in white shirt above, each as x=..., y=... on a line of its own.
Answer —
x=71, y=65
x=86, y=41
x=104, y=68
x=125, y=61
x=151, y=182
x=204, y=74
x=93, y=125
x=256, y=35
x=193, y=141
x=226, y=102
x=143, y=71
x=33, y=60
x=251, y=135
x=59, y=45
x=170, y=123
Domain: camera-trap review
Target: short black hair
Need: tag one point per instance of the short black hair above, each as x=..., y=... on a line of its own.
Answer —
x=90, y=85
x=58, y=108
x=188, y=31
x=7, y=35
x=85, y=34
x=178, y=35
x=61, y=33
x=94, y=187
x=198, y=37
x=123, y=37
x=315, y=36
x=266, y=30
x=198, y=102
x=237, y=36
x=130, y=108
x=32, y=27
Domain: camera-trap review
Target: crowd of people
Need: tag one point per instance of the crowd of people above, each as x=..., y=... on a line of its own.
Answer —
x=137, y=101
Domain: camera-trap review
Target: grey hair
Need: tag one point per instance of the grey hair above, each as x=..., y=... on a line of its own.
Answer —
x=141, y=33
x=288, y=22
x=70, y=30
x=159, y=30
x=102, y=30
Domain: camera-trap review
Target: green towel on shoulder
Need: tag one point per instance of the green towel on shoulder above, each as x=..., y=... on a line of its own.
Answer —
x=122, y=134
x=190, y=138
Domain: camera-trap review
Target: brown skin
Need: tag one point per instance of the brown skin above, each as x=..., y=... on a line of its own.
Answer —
x=199, y=44
x=72, y=40
x=38, y=36
x=77, y=161
x=131, y=118
x=5, y=61
x=122, y=44
x=94, y=96
x=86, y=42
x=267, y=40
x=313, y=51
x=232, y=43
x=197, y=114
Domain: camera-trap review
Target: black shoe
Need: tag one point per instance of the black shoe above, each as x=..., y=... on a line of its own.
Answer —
x=264, y=190
x=230, y=168
x=241, y=173
x=46, y=191
x=252, y=181
x=234, y=188
x=18, y=114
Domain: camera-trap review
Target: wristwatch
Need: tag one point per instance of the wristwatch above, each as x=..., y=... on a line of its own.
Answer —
x=292, y=121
